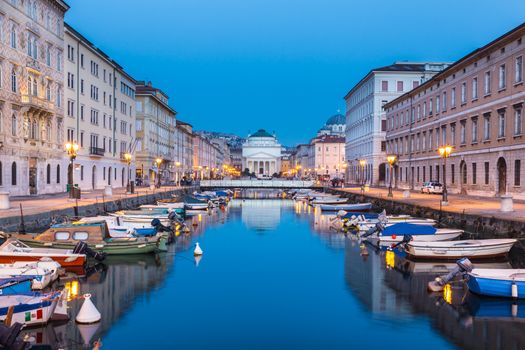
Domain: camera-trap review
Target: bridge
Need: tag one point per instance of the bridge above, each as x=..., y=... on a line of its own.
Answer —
x=276, y=184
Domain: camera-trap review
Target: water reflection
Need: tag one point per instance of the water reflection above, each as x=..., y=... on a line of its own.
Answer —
x=261, y=214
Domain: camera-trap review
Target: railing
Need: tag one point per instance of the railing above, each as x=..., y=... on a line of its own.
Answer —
x=257, y=183
x=37, y=102
x=96, y=151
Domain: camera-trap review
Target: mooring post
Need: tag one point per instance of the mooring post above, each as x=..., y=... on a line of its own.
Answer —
x=22, y=223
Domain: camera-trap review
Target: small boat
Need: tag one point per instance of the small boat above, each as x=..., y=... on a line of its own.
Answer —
x=507, y=283
x=15, y=285
x=328, y=200
x=12, y=251
x=346, y=207
x=95, y=236
x=41, y=273
x=192, y=203
x=395, y=233
x=473, y=249
x=34, y=308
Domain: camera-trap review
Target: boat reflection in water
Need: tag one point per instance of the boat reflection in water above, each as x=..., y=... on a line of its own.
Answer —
x=390, y=285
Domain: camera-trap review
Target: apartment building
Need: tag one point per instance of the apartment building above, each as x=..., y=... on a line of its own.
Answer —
x=365, y=118
x=32, y=153
x=475, y=106
x=99, y=103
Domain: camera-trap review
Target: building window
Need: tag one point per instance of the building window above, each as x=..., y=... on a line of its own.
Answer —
x=488, y=82
x=474, y=88
x=486, y=127
x=452, y=173
x=518, y=77
x=486, y=173
x=518, y=120
x=502, y=77
x=58, y=173
x=48, y=174
x=424, y=109
x=474, y=130
x=453, y=134
x=13, y=125
x=13, y=174
x=444, y=101
x=13, y=36
x=462, y=132
x=1, y=175
x=81, y=173
x=517, y=172
x=399, y=86
x=501, y=124
x=384, y=86
x=464, y=92
x=415, y=84
x=14, y=84
x=59, y=61
x=474, y=173
x=430, y=107
x=453, y=98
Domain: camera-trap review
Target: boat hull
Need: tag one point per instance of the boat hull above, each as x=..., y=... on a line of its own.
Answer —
x=384, y=240
x=459, y=249
x=113, y=248
x=495, y=287
x=346, y=207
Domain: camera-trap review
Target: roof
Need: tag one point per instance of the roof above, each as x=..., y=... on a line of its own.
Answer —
x=454, y=67
x=261, y=133
x=329, y=139
x=409, y=67
x=336, y=119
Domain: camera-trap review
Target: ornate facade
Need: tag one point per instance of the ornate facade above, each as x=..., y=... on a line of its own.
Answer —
x=31, y=97
x=261, y=154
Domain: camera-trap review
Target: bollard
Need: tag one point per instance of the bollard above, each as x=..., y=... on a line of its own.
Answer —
x=4, y=200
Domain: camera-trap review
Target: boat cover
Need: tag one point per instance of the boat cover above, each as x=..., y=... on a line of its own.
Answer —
x=404, y=228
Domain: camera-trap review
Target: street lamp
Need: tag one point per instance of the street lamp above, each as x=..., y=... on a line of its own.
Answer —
x=127, y=157
x=362, y=163
x=71, y=149
x=444, y=152
x=392, y=160
x=177, y=165
x=159, y=162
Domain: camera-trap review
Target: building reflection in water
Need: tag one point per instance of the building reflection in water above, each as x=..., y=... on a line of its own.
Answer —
x=261, y=214
x=390, y=285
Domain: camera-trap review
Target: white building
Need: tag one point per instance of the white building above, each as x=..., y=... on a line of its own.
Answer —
x=156, y=136
x=100, y=113
x=261, y=154
x=32, y=154
x=365, y=118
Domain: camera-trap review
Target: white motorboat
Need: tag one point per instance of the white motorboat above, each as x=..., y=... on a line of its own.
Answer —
x=36, y=308
x=328, y=200
x=42, y=272
x=486, y=248
x=346, y=207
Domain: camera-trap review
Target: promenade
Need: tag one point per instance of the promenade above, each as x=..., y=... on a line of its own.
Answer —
x=480, y=206
x=54, y=202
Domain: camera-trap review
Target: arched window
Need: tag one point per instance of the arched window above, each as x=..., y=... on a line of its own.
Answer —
x=13, y=36
x=48, y=174
x=13, y=125
x=13, y=174
x=13, y=80
x=58, y=173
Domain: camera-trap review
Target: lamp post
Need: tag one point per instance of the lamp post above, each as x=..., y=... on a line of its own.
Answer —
x=159, y=162
x=71, y=149
x=127, y=157
x=362, y=163
x=444, y=152
x=392, y=161
x=177, y=165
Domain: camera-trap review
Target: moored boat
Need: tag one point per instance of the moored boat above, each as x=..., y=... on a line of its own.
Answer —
x=508, y=283
x=397, y=232
x=473, y=249
x=41, y=273
x=328, y=200
x=34, y=308
x=346, y=207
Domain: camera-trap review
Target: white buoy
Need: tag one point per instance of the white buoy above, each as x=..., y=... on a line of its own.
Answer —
x=514, y=290
x=198, y=250
x=88, y=312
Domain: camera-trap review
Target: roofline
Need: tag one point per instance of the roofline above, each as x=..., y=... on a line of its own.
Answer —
x=63, y=5
x=96, y=50
x=167, y=106
x=470, y=56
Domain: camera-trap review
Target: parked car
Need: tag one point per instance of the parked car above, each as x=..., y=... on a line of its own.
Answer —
x=432, y=187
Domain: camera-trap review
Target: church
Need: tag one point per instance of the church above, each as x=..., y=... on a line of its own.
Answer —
x=261, y=154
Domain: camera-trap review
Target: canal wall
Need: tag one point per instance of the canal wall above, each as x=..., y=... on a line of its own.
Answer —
x=478, y=226
x=42, y=220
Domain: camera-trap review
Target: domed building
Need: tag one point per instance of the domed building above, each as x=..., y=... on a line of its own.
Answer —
x=261, y=154
x=334, y=126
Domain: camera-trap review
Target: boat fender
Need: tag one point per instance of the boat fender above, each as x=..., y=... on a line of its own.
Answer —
x=464, y=266
x=514, y=290
x=514, y=310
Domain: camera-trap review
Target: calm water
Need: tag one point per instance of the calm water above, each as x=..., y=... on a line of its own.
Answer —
x=275, y=276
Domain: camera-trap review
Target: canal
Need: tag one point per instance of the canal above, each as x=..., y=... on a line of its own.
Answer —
x=274, y=275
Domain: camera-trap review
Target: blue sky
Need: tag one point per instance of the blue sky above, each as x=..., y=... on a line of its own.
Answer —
x=283, y=65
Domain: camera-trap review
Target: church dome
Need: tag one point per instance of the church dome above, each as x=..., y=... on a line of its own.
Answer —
x=261, y=133
x=337, y=119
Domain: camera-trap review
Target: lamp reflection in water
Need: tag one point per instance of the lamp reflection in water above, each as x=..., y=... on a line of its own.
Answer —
x=73, y=290
x=390, y=259
x=447, y=293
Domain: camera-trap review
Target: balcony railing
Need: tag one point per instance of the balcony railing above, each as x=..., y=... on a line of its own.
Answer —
x=37, y=102
x=95, y=151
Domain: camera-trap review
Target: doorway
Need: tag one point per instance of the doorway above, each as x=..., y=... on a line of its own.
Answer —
x=93, y=176
x=502, y=176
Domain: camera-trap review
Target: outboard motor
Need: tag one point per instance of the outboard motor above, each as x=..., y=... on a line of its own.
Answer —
x=161, y=228
x=9, y=337
x=406, y=239
x=379, y=227
x=83, y=248
x=464, y=267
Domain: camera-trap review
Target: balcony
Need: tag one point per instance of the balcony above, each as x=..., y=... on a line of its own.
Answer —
x=37, y=104
x=95, y=151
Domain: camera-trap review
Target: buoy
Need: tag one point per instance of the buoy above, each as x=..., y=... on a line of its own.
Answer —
x=88, y=312
x=514, y=290
x=197, y=251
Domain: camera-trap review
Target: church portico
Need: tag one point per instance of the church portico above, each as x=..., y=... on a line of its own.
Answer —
x=261, y=154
